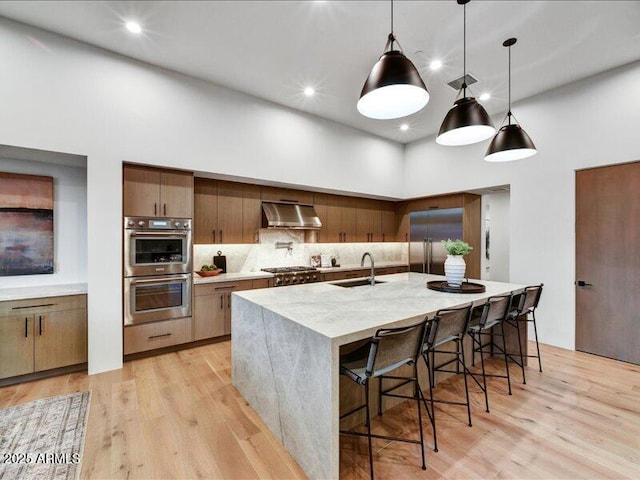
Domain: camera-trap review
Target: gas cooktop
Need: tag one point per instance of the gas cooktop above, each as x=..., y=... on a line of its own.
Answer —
x=290, y=269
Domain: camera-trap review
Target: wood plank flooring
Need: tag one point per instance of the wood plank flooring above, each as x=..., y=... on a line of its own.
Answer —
x=178, y=416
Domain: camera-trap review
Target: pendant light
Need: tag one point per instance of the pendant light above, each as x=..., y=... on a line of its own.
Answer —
x=511, y=142
x=467, y=122
x=394, y=88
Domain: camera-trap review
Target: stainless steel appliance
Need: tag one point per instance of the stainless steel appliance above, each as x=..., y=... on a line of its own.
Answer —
x=294, y=275
x=428, y=228
x=151, y=298
x=157, y=246
x=157, y=269
x=289, y=215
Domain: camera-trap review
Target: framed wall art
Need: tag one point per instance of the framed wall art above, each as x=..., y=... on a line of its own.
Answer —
x=26, y=224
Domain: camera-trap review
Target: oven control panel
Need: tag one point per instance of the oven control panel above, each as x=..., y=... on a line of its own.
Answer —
x=146, y=223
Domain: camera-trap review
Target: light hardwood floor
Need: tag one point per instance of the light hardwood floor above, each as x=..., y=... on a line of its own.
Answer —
x=177, y=416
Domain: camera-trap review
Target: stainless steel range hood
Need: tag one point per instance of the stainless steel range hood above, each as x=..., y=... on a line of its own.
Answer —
x=289, y=215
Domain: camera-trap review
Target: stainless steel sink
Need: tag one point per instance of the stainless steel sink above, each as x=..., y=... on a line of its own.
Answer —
x=360, y=282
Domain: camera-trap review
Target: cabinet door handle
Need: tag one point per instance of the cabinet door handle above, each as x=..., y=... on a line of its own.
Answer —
x=383, y=237
x=159, y=336
x=225, y=288
x=34, y=306
x=213, y=236
x=165, y=209
x=26, y=327
x=155, y=209
x=221, y=302
x=406, y=237
x=221, y=237
x=40, y=323
x=229, y=301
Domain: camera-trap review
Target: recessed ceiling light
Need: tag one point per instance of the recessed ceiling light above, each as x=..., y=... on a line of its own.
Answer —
x=404, y=127
x=435, y=65
x=485, y=96
x=309, y=91
x=134, y=27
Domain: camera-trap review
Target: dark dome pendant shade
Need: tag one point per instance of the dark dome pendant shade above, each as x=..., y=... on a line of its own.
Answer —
x=394, y=88
x=511, y=142
x=467, y=122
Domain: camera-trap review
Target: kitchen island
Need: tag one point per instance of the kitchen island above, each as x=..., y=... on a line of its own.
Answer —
x=286, y=344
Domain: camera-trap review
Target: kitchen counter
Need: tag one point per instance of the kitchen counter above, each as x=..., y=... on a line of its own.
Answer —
x=346, y=268
x=230, y=277
x=44, y=291
x=286, y=344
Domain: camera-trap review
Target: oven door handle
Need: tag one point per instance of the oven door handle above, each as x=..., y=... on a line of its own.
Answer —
x=161, y=280
x=178, y=233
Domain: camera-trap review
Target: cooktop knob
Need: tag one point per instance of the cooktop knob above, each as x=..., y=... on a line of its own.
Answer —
x=178, y=224
x=141, y=223
x=131, y=223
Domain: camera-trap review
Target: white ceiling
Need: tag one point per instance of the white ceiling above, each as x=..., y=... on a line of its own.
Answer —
x=273, y=49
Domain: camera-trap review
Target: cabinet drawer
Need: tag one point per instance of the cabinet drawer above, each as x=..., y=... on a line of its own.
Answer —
x=149, y=336
x=218, y=287
x=261, y=283
x=42, y=305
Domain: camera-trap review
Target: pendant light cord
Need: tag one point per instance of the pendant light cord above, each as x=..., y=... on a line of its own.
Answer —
x=392, y=37
x=464, y=50
x=509, y=112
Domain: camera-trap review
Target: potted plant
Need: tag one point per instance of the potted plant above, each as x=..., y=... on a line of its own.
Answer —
x=454, y=265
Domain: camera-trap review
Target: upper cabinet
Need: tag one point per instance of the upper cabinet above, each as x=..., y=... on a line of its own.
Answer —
x=226, y=212
x=338, y=216
x=154, y=192
x=274, y=194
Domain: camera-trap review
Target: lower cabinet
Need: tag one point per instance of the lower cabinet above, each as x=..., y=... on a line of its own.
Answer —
x=363, y=272
x=42, y=334
x=212, y=307
x=149, y=336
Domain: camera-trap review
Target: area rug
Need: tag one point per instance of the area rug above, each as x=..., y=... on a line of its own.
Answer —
x=44, y=439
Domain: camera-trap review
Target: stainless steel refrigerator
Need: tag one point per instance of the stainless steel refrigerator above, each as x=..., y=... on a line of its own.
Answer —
x=426, y=251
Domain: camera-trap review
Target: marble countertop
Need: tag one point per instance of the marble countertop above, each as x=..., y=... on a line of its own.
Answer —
x=348, y=314
x=367, y=265
x=43, y=291
x=230, y=277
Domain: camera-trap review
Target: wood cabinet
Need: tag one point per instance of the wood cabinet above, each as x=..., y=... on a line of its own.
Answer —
x=212, y=306
x=154, y=192
x=388, y=222
x=275, y=194
x=375, y=221
x=226, y=212
x=154, y=335
x=338, y=216
x=363, y=272
x=42, y=334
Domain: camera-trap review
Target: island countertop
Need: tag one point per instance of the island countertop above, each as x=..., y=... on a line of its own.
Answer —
x=286, y=351
x=348, y=314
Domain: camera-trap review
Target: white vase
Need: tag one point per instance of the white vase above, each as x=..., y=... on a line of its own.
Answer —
x=454, y=267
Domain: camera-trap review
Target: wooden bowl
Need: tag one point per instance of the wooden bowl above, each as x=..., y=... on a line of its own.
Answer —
x=209, y=273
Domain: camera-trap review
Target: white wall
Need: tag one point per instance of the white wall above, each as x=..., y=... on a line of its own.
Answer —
x=588, y=123
x=498, y=207
x=69, y=222
x=61, y=95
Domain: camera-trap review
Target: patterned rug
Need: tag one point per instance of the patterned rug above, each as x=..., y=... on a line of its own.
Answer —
x=44, y=439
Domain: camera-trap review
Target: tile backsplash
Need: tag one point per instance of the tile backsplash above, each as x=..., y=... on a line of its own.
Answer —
x=253, y=257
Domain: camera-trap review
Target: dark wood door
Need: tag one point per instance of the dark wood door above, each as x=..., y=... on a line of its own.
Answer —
x=608, y=261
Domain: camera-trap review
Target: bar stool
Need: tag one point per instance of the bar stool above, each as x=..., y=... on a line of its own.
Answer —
x=388, y=349
x=483, y=319
x=525, y=304
x=449, y=325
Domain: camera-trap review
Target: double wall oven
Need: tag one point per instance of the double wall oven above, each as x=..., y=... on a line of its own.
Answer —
x=157, y=269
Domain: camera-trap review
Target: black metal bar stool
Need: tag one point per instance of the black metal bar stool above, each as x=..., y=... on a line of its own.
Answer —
x=449, y=325
x=493, y=313
x=525, y=304
x=389, y=349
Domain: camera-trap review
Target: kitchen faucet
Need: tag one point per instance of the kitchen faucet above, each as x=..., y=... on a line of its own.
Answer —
x=372, y=278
